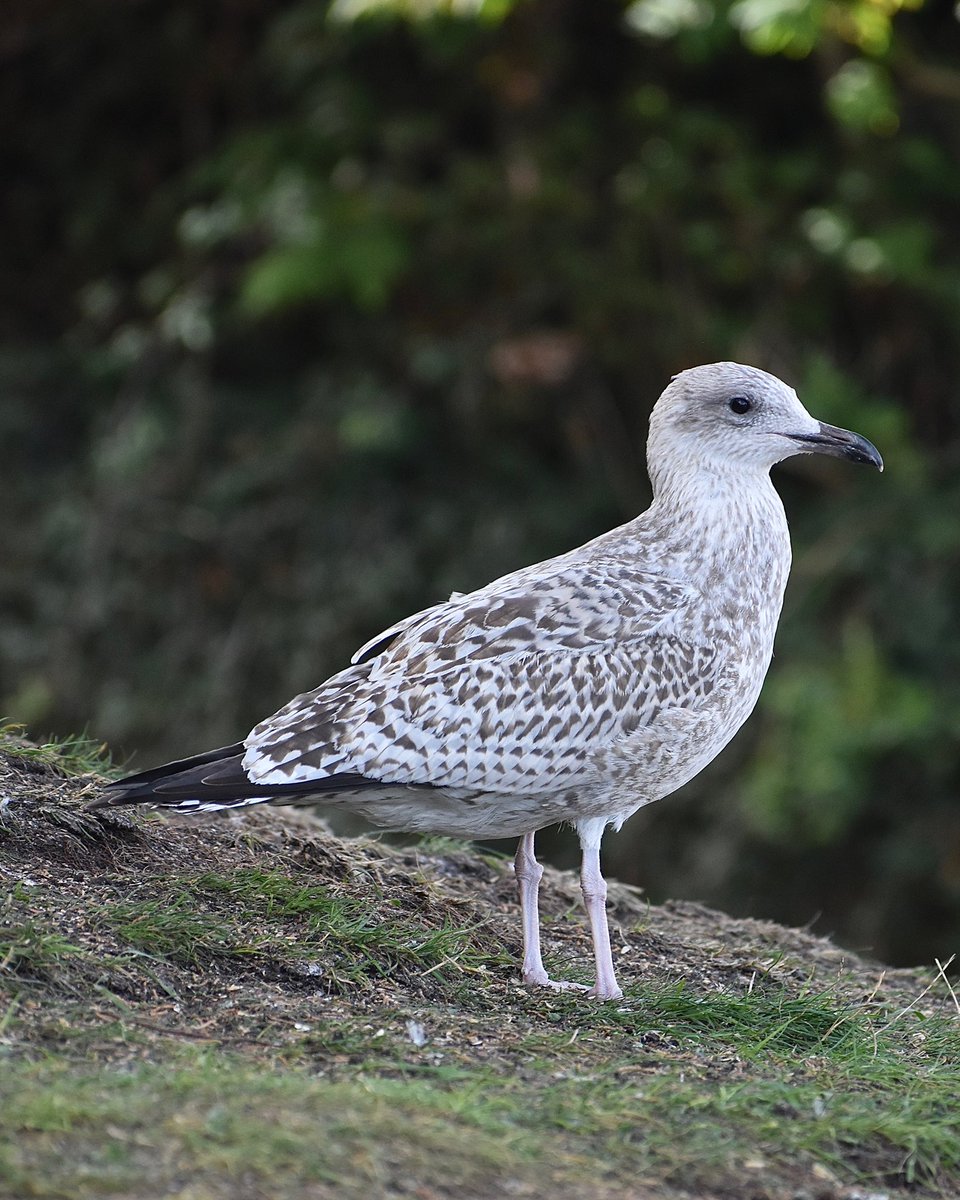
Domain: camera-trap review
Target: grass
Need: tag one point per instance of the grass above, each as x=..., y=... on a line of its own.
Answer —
x=222, y=1118
x=30, y=948
x=857, y=1110
x=755, y=1025
x=254, y=912
x=76, y=755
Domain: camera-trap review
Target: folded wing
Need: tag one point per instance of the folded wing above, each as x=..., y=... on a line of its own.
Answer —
x=510, y=689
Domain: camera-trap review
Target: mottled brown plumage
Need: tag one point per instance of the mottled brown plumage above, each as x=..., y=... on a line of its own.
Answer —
x=578, y=689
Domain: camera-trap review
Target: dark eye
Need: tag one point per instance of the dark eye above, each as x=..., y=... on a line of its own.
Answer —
x=739, y=405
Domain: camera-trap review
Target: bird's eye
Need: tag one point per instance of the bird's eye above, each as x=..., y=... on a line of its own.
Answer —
x=739, y=405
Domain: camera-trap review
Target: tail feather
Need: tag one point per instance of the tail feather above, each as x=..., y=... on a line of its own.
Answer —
x=216, y=779
x=172, y=768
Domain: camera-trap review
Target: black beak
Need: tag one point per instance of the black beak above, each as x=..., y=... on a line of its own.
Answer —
x=841, y=443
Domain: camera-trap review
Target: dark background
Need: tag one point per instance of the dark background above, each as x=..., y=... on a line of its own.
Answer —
x=312, y=314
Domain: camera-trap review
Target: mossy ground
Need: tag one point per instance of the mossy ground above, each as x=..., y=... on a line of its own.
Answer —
x=249, y=1007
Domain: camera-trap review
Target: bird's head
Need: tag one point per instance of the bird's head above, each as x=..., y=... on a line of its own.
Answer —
x=734, y=419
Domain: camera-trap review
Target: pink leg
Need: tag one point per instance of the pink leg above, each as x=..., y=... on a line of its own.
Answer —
x=529, y=873
x=594, y=888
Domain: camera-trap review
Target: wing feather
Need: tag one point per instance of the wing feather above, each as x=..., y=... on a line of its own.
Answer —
x=512, y=688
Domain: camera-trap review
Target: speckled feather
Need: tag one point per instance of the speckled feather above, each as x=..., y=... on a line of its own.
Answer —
x=531, y=686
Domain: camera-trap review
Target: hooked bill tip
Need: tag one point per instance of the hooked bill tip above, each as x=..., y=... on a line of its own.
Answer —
x=841, y=443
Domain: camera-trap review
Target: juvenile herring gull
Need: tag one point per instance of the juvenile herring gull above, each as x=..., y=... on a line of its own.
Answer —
x=577, y=689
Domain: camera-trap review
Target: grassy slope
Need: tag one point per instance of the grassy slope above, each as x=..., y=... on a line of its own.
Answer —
x=248, y=1008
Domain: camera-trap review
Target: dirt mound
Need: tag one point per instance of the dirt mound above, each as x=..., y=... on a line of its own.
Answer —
x=175, y=917
x=185, y=1003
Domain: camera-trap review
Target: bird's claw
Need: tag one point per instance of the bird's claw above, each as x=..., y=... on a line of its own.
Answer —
x=596, y=993
x=535, y=979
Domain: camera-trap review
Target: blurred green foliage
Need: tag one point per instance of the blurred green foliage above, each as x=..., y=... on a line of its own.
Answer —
x=311, y=313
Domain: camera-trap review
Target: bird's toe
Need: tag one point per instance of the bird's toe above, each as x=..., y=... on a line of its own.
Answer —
x=542, y=979
x=604, y=993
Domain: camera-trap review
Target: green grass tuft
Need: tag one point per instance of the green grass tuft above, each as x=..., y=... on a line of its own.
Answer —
x=253, y=912
x=30, y=948
x=758, y=1024
x=74, y=755
x=173, y=926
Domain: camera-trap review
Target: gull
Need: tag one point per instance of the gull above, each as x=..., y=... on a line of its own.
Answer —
x=575, y=690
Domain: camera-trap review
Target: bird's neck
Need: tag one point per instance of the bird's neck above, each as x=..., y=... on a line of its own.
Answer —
x=719, y=522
